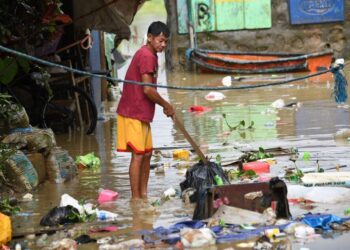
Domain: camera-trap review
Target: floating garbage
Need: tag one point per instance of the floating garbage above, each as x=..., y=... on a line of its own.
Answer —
x=88, y=161
x=181, y=154
x=129, y=244
x=197, y=237
x=327, y=179
x=258, y=167
x=227, y=81
x=60, y=216
x=66, y=244
x=215, y=96
x=331, y=195
x=279, y=103
x=199, y=109
x=106, y=195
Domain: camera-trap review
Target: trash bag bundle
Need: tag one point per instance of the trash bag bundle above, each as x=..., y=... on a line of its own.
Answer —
x=201, y=176
x=60, y=216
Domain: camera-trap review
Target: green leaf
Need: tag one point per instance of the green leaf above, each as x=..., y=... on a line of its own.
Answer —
x=8, y=69
x=23, y=63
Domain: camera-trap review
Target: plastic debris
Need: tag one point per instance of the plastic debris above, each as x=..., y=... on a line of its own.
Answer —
x=227, y=81
x=215, y=96
x=59, y=216
x=107, y=195
x=197, y=237
x=279, y=103
x=199, y=109
x=181, y=154
x=129, y=244
x=66, y=244
x=170, y=192
x=88, y=161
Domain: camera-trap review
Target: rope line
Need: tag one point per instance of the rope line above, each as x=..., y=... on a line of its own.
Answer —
x=81, y=72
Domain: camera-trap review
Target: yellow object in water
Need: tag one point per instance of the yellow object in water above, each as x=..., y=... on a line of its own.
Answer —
x=181, y=154
x=5, y=229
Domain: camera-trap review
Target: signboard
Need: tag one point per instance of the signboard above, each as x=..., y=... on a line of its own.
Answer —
x=316, y=11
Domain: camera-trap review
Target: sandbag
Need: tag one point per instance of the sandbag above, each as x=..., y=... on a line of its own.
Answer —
x=19, y=119
x=60, y=216
x=38, y=162
x=40, y=140
x=5, y=229
x=36, y=140
x=20, y=172
x=60, y=167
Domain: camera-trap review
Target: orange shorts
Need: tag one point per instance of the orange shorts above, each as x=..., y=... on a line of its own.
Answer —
x=133, y=135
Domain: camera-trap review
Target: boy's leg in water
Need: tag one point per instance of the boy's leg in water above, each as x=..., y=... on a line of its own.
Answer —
x=135, y=174
x=144, y=177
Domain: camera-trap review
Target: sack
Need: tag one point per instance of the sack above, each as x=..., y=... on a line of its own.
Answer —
x=60, y=166
x=38, y=162
x=20, y=172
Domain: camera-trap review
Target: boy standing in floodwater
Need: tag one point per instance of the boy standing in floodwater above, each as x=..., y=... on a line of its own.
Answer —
x=136, y=108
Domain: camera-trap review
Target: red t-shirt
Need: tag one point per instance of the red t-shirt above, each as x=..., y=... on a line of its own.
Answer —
x=134, y=103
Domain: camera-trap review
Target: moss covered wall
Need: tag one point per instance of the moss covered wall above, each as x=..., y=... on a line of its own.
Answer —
x=282, y=37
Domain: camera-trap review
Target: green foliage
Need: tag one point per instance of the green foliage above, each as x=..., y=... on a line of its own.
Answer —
x=7, y=208
x=84, y=216
x=241, y=125
x=10, y=66
x=254, y=156
x=233, y=174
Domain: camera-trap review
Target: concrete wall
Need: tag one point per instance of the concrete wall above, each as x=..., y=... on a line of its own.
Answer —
x=282, y=37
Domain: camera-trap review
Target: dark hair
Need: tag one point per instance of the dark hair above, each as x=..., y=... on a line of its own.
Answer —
x=158, y=27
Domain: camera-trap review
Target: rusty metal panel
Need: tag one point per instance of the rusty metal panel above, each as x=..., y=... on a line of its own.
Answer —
x=235, y=196
x=257, y=14
x=229, y=14
x=316, y=11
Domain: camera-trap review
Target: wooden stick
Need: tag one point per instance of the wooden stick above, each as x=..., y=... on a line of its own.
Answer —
x=180, y=126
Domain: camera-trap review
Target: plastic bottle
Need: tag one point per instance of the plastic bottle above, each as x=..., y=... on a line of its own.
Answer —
x=106, y=215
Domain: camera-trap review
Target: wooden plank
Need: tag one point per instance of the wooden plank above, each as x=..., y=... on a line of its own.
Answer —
x=229, y=14
x=257, y=14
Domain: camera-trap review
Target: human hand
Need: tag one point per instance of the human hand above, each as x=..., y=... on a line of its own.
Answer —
x=169, y=110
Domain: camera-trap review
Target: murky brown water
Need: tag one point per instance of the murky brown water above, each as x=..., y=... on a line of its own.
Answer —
x=309, y=127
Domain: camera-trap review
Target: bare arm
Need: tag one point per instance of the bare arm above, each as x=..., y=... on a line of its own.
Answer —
x=154, y=96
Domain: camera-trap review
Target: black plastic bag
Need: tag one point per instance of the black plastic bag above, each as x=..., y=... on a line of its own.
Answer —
x=60, y=216
x=201, y=176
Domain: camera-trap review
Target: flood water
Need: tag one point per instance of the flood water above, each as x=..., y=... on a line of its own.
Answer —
x=309, y=126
